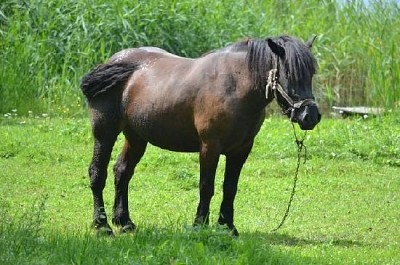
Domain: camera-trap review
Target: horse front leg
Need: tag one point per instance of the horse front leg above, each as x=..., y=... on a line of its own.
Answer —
x=124, y=168
x=209, y=156
x=233, y=167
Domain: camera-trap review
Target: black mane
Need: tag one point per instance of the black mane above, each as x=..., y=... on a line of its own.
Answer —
x=298, y=62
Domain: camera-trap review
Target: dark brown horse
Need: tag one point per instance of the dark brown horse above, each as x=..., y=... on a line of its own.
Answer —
x=212, y=105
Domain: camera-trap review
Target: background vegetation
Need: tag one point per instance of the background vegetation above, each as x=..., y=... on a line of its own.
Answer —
x=47, y=46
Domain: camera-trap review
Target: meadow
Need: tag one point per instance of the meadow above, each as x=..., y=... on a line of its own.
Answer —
x=345, y=211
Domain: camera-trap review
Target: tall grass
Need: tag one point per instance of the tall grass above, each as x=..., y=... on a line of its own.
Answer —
x=46, y=46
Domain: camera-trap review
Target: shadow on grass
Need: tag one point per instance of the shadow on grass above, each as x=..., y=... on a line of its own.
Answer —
x=288, y=240
x=23, y=240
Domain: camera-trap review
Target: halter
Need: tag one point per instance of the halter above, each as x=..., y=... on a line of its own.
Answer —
x=273, y=84
x=275, y=87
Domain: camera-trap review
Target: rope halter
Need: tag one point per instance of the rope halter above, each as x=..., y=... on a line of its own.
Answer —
x=274, y=86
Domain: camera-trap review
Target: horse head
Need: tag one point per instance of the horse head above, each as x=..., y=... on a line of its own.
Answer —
x=290, y=80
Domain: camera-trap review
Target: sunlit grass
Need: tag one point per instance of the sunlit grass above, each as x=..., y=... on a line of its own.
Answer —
x=345, y=211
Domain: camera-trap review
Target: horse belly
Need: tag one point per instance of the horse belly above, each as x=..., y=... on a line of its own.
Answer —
x=170, y=133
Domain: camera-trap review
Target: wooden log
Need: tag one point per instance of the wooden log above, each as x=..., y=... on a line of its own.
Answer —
x=360, y=110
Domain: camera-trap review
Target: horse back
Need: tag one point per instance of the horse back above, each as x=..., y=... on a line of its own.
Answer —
x=175, y=102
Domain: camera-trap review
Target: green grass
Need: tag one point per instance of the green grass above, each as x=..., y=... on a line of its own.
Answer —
x=47, y=46
x=346, y=209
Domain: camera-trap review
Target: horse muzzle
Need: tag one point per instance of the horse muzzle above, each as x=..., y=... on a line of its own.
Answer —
x=306, y=116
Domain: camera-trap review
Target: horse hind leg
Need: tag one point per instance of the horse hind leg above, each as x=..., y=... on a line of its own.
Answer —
x=130, y=156
x=105, y=132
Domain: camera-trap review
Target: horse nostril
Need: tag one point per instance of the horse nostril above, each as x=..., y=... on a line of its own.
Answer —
x=306, y=118
x=319, y=117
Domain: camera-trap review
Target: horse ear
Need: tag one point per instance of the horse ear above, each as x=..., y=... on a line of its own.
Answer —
x=276, y=48
x=310, y=42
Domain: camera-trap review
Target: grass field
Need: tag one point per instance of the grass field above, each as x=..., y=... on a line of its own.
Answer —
x=346, y=209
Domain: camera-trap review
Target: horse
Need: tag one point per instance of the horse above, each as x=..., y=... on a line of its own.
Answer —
x=214, y=105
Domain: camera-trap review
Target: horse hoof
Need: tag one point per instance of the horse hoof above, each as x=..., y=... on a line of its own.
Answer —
x=128, y=228
x=201, y=221
x=199, y=227
x=231, y=229
x=234, y=232
x=104, y=231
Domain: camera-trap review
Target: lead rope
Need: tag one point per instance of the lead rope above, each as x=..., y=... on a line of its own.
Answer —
x=300, y=148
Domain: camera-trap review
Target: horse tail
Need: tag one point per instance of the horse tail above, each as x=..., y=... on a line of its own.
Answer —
x=105, y=77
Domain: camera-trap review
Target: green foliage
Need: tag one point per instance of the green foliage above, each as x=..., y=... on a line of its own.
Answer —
x=47, y=46
x=19, y=235
x=345, y=211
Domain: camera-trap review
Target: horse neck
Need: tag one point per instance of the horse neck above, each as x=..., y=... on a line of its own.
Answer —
x=256, y=87
x=263, y=97
x=259, y=65
x=233, y=65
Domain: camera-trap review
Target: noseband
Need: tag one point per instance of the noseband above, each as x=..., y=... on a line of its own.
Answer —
x=275, y=87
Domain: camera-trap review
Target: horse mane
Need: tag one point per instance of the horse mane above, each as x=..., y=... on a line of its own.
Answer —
x=298, y=62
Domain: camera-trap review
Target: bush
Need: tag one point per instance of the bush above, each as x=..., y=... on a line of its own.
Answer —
x=47, y=46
